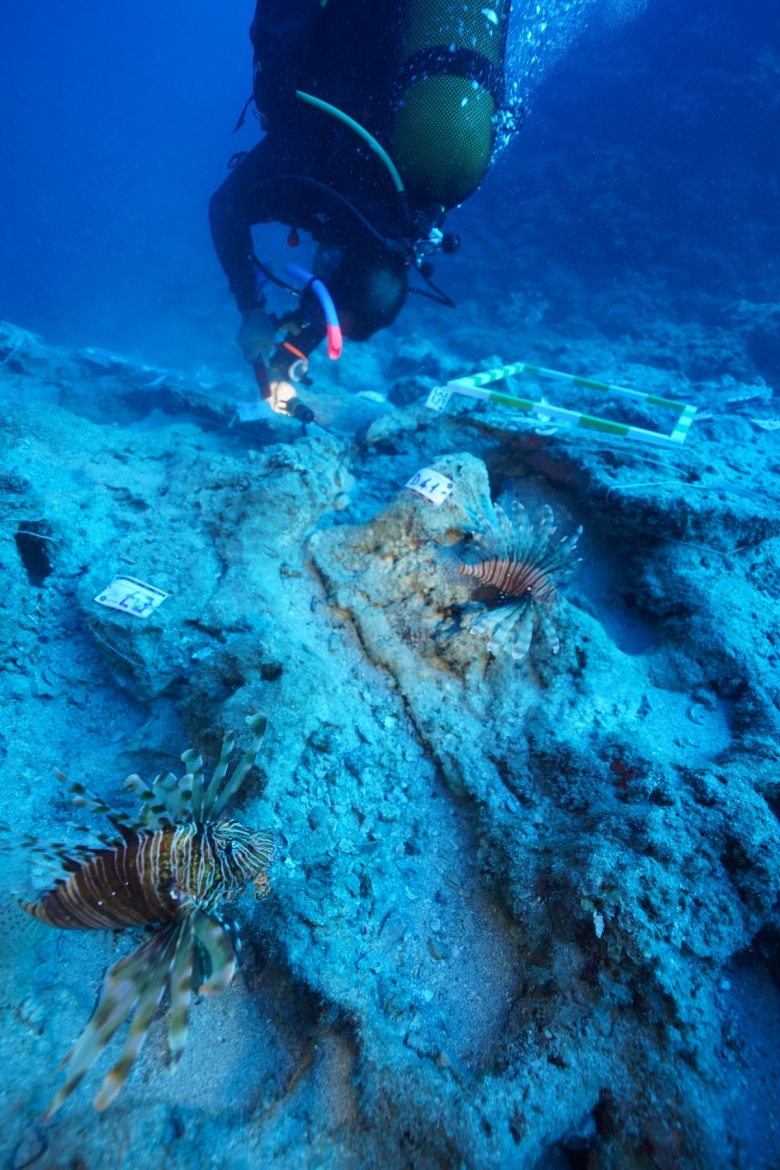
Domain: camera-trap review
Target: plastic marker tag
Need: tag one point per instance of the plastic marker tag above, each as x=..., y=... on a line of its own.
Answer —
x=131, y=596
x=438, y=398
x=431, y=486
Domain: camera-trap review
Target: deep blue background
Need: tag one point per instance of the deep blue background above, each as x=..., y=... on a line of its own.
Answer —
x=649, y=164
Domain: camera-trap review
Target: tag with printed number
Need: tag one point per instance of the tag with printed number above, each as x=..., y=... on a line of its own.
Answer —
x=438, y=398
x=131, y=596
x=431, y=485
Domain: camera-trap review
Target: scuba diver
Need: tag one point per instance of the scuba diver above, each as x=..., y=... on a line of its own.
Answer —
x=379, y=118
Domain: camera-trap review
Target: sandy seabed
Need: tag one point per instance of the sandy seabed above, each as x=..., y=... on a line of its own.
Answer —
x=526, y=913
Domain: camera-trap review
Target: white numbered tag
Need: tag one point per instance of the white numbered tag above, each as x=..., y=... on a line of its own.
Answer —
x=131, y=596
x=438, y=398
x=431, y=485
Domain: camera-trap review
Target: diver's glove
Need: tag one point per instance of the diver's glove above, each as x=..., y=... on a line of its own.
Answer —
x=256, y=335
x=283, y=398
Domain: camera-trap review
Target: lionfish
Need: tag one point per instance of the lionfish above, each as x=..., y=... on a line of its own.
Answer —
x=518, y=577
x=169, y=869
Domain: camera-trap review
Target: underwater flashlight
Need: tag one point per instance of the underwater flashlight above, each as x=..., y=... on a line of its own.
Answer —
x=299, y=410
x=269, y=392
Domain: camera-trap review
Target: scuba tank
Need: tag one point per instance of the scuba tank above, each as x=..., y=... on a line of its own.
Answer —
x=450, y=93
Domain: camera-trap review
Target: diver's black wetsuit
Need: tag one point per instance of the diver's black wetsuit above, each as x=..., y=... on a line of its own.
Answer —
x=345, y=53
x=425, y=79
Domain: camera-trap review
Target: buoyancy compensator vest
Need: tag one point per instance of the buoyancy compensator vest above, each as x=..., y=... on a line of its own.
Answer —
x=281, y=34
x=450, y=93
x=426, y=77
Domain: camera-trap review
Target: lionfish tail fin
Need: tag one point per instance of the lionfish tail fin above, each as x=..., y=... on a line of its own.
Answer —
x=139, y=976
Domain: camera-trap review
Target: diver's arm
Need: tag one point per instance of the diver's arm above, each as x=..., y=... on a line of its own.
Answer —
x=301, y=341
x=247, y=196
x=259, y=190
x=231, y=224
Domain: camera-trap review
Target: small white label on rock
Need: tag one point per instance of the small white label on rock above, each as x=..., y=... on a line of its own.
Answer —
x=431, y=485
x=438, y=398
x=131, y=596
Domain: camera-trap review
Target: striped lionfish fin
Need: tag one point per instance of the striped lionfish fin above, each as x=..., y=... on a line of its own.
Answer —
x=163, y=804
x=83, y=798
x=58, y=857
x=180, y=991
x=58, y=854
x=503, y=536
x=150, y=993
x=507, y=625
x=549, y=630
x=214, y=800
x=140, y=975
x=171, y=801
x=216, y=941
x=191, y=789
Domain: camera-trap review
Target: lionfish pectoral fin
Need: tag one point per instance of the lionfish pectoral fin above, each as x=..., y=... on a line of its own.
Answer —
x=125, y=982
x=219, y=948
x=549, y=631
x=523, y=635
x=500, y=624
x=149, y=998
x=180, y=991
x=114, y=1007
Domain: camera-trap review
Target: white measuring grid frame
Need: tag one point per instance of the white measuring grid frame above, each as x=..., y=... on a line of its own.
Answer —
x=476, y=386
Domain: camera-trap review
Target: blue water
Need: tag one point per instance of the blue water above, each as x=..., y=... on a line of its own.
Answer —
x=644, y=161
